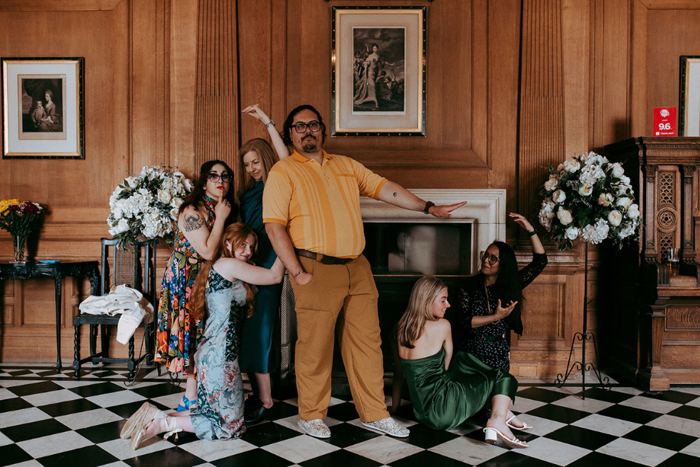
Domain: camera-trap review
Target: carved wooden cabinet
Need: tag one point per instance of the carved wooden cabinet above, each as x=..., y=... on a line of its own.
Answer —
x=651, y=320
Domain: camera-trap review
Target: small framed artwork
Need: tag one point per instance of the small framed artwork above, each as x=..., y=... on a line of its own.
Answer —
x=689, y=118
x=378, y=71
x=42, y=108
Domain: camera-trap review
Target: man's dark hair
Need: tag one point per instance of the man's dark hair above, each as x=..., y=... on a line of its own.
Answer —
x=290, y=119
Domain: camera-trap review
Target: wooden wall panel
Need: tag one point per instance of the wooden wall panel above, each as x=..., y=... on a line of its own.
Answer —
x=541, y=99
x=612, y=72
x=674, y=33
x=546, y=307
x=255, y=66
x=503, y=45
x=662, y=30
x=124, y=45
x=182, y=79
x=216, y=100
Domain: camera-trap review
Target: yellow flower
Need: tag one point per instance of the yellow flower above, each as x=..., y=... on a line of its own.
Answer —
x=5, y=203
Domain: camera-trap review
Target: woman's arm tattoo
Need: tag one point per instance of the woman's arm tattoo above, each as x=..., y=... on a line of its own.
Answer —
x=193, y=222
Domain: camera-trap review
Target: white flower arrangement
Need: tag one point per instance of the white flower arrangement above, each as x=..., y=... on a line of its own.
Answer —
x=590, y=199
x=145, y=206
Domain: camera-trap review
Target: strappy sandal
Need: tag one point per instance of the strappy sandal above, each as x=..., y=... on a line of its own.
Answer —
x=147, y=410
x=520, y=428
x=492, y=435
x=185, y=404
x=144, y=420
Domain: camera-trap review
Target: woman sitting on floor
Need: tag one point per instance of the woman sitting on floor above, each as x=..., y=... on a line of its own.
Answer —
x=222, y=297
x=446, y=391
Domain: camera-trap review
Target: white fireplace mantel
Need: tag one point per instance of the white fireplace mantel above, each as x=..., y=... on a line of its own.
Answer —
x=485, y=209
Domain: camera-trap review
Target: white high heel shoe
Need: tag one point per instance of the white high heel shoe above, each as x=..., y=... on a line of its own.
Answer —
x=492, y=435
x=520, y=428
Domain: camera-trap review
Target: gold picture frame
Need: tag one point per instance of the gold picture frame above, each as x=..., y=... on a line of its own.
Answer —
x=378, y=71
x=42, y=108
x=689, y=115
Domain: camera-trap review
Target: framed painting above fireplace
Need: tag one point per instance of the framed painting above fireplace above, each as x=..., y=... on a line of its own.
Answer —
x=378, y=71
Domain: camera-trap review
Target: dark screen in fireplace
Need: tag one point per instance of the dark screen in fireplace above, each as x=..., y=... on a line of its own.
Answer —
x=400, y=253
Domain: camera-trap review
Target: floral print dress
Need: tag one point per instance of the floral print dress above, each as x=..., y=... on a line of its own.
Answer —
x=177, y=334
x=487, y=343
x=219, y=411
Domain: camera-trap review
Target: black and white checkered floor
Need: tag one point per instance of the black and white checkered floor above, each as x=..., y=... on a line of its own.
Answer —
x=52, y=419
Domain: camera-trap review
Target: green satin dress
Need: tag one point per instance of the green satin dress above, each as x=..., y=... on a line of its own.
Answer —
x=444, y=399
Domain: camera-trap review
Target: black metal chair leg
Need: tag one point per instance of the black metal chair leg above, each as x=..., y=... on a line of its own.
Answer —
x=76, y=351
x=132, y=364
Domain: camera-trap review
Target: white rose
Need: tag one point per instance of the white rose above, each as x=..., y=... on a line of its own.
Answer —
x=163, y=196
x=552, y=183
x=627, y=231
x=585, y=190
x=564, y=216
x=174, y=213
x=559, y=196
x=617, y=170
x=560, y=167
x=624, y=202
x=176, y=202
x=615, y=217
x=633, y=211
x=572, y=166
x=188, y=184
x=571, y=233
x=625, y=179
x=605, y=199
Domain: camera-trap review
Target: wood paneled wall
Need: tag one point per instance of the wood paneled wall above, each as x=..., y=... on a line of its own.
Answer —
x=512, y=86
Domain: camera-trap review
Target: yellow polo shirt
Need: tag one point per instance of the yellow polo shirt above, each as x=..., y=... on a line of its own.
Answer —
x=320, y=205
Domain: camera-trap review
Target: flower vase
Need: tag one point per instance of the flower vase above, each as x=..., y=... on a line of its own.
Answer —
x=19, y=242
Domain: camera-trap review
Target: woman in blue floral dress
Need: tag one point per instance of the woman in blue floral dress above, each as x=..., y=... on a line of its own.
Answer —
x=201, y=221
x=221, y=298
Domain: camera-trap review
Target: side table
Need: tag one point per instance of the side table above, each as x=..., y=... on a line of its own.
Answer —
x=58, y=271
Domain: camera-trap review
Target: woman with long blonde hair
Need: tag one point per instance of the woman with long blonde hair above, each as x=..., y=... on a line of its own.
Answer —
x=221, y=298
x=446, y=391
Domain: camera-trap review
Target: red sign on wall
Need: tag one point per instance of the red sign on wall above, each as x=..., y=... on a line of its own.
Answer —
x=664, y=121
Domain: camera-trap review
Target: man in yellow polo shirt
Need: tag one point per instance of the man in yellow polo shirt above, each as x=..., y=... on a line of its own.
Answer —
x=311, y=210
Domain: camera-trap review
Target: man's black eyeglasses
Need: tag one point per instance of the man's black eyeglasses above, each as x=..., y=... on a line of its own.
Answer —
x=313, y=126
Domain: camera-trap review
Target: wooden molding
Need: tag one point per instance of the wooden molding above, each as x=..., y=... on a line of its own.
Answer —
x=59, y=5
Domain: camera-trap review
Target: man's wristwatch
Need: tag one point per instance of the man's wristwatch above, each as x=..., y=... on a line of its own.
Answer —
x=427, y=207
x=271, y=122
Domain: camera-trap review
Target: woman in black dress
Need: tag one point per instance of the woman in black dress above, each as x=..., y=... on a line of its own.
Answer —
x=489, y=304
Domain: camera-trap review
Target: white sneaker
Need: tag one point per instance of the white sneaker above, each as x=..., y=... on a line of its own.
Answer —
x=389, y=426
x=316, y=428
